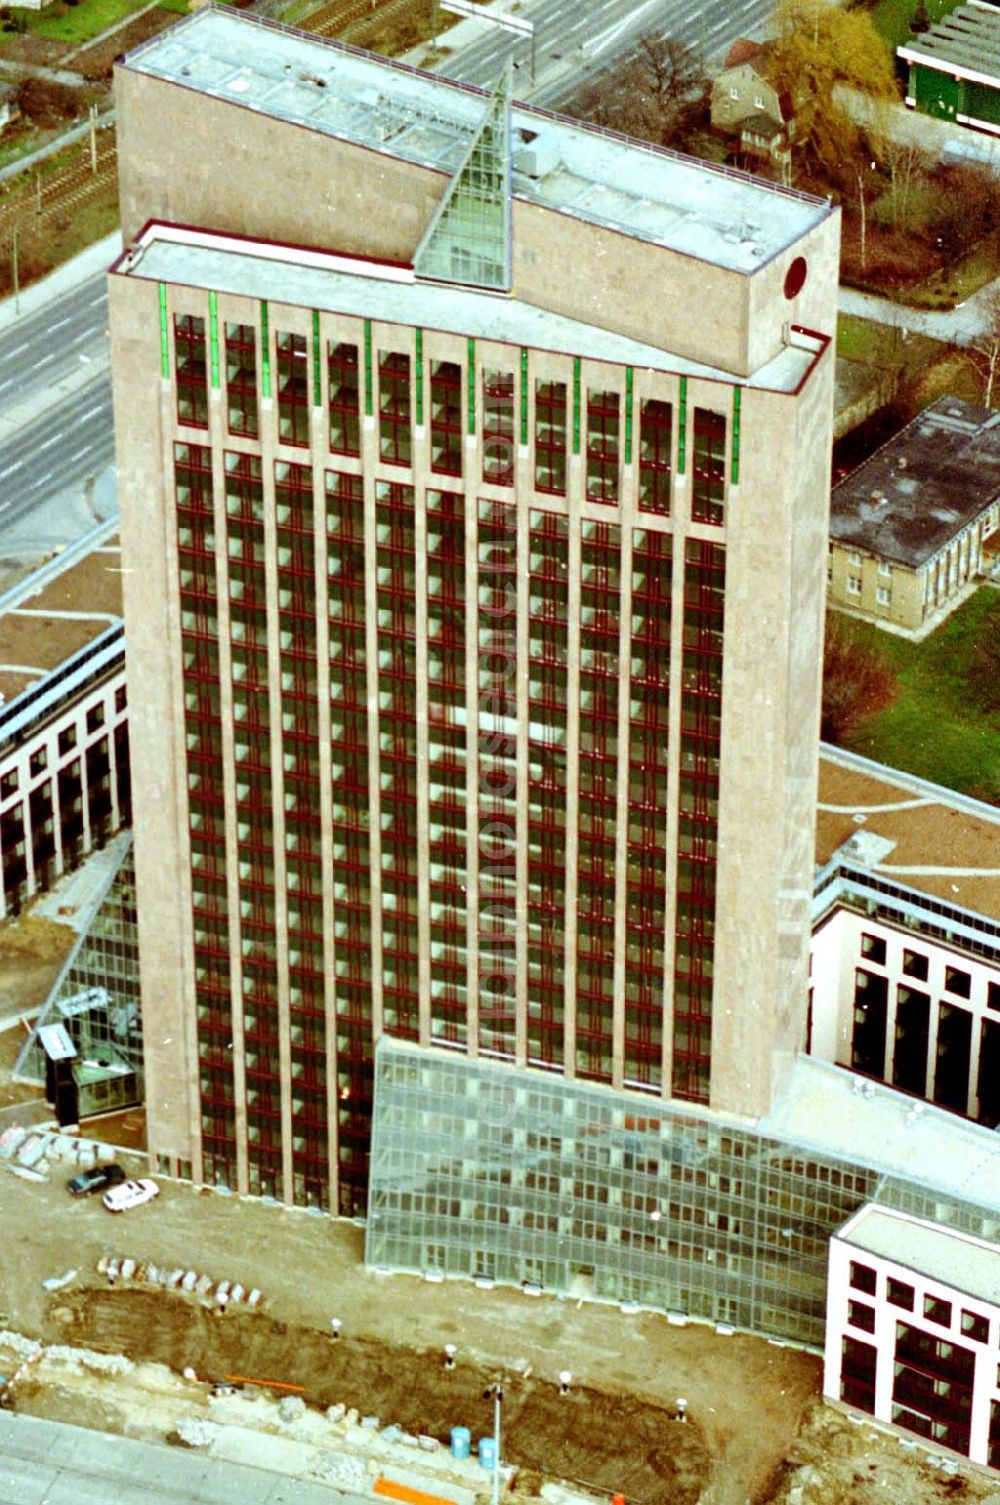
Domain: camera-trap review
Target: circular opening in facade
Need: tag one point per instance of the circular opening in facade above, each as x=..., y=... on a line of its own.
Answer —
x=795, y=277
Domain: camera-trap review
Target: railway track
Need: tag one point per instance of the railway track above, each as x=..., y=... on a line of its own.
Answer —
x=330, y=19
x=354, y=20
x=67, y=188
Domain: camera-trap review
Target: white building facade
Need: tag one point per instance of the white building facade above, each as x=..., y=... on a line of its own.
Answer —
x=913, y=1317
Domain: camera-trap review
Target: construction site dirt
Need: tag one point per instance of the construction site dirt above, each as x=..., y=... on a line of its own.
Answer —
x=754, y=1430
x=615, y=1430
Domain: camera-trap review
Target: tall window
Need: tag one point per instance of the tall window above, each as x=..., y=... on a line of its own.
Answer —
x=342, y=369
x=701, y=732
x=709, y=491
x=603, y=426
x=241, y=379
x=191, y=370
x=395, y=440
x=498, y=427
x=293, y=389
x=550, y=436
x=446, y=418
x=655, y=435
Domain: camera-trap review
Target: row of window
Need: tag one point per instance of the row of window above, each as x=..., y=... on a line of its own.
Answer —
x=900, y=1293
x=916, y=964
x=605, y=435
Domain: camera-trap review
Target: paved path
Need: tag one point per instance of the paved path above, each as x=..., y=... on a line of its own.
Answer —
x=958, y=326
x=38, y=70
x=50, y=1463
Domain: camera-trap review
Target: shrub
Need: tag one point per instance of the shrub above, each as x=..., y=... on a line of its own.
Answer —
x=857, y=681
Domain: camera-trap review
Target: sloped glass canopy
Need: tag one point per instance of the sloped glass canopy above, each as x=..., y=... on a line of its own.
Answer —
x=468, y=238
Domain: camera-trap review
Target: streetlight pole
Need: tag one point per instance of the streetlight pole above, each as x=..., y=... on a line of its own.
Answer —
x=496, y=1392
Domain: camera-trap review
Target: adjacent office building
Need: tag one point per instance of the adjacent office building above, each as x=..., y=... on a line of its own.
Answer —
x=912, y=1329
x=64, y=752
x=474, y=473
x=916, y=528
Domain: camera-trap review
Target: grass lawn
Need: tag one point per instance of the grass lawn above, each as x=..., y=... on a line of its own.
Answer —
x=934, y=728
x=74, y=24
x=892, y=17
x=883, y=345
x=953, y=284
x=861, y=339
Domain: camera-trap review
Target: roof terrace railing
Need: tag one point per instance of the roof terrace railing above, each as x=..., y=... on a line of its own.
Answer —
x=719, y=168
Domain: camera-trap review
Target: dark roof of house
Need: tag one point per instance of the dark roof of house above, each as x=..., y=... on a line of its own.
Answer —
x=918, y=491
x=742, y=51
x=761, y=124
x=967, y=41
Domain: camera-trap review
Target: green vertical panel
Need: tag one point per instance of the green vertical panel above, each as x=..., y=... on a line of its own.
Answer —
x=524, y=397
x=981, y=102
x=629, y=376
x=936, y=93
x=213, y=334
x=682, y=423
x=317, y=376
x=164, y=334
x=735, y=474
x=470, y=377
x=265, y=352
x=369, y=406
x=420, y=377
x=576, y=405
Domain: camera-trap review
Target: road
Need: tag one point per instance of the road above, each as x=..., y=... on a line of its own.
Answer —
x=574, y=42
x=44, y=346
x=56, y=435
x=67, y=444
x=49, y=1463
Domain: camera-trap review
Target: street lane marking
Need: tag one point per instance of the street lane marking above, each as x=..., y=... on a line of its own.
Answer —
x=18, y=464
x=19, y=348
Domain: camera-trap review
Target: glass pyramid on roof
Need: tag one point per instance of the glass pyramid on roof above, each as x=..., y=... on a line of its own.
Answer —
x=468, y=238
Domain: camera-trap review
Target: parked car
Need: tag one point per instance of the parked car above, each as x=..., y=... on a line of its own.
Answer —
x=100, y=1178
x=130, y=1194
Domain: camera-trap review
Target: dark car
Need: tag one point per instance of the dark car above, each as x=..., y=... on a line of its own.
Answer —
x=99, y=1179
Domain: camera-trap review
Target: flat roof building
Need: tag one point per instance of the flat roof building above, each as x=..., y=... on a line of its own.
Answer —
x=64, y=751
x=955, y=67
x=473, y=475
x=917, y=525
x=905, y=960
x=913, y=1329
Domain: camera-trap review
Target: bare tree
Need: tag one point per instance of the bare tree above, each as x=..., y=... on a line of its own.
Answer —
x=657, y=94
x=984, y=348
x=907, y=164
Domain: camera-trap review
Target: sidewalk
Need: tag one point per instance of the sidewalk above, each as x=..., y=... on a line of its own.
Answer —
x=957, y=326
x=90, y=263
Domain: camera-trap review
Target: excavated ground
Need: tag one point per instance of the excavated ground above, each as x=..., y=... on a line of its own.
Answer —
x=597, y=1439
